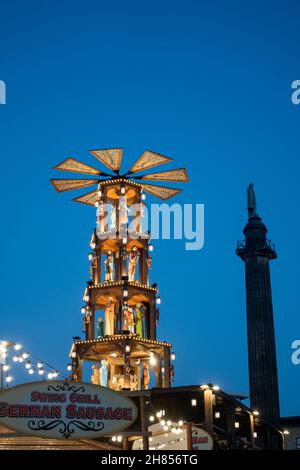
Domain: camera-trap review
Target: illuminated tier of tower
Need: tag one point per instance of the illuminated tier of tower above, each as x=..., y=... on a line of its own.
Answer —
x=121, y=310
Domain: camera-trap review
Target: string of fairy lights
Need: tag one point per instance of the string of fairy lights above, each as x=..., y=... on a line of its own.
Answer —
x=168, y=428
x=12, y=353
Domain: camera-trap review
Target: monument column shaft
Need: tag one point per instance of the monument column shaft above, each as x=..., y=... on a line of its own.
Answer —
x=261, y=339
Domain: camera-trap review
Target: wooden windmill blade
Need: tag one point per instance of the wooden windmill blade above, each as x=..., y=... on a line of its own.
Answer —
x=71, y=164
x=89, y=198
x=111, y=158
x=149, y=160
x=67, y=184
x=179, y=174
x=161, y=192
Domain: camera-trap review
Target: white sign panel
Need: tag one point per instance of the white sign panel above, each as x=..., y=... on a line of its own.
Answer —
x=63, y=409
x=175, y=438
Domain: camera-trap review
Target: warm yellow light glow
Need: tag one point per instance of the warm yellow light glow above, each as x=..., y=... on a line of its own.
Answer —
x=17, y=347
x=153, y=361
x=216, y=388
x=256, y=413
x=194, y=402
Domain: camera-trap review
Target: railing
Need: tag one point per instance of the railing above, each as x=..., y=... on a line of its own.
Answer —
x=269, y=245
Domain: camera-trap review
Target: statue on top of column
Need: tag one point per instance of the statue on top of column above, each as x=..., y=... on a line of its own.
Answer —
x=251, y=199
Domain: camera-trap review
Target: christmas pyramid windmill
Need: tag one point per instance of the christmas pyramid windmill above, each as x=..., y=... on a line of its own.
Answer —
x=121, y=308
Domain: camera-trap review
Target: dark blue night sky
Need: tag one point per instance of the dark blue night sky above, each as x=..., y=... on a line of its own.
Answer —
x=207, y=83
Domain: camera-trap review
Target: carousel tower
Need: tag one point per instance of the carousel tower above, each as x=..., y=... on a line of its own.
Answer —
x=256, y=252
x=121, y=308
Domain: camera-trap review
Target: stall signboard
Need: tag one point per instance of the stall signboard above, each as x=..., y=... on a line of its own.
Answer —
x=64, y=409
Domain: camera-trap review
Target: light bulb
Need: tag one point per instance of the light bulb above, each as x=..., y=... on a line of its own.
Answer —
x=17, y=347
x=15, y=358
x=5, y=368
x=8, y=379
x=152, y=361
x=28, y=366
x=31, y=371
x=204, y=387
x=41, y=371
x=40, y=365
